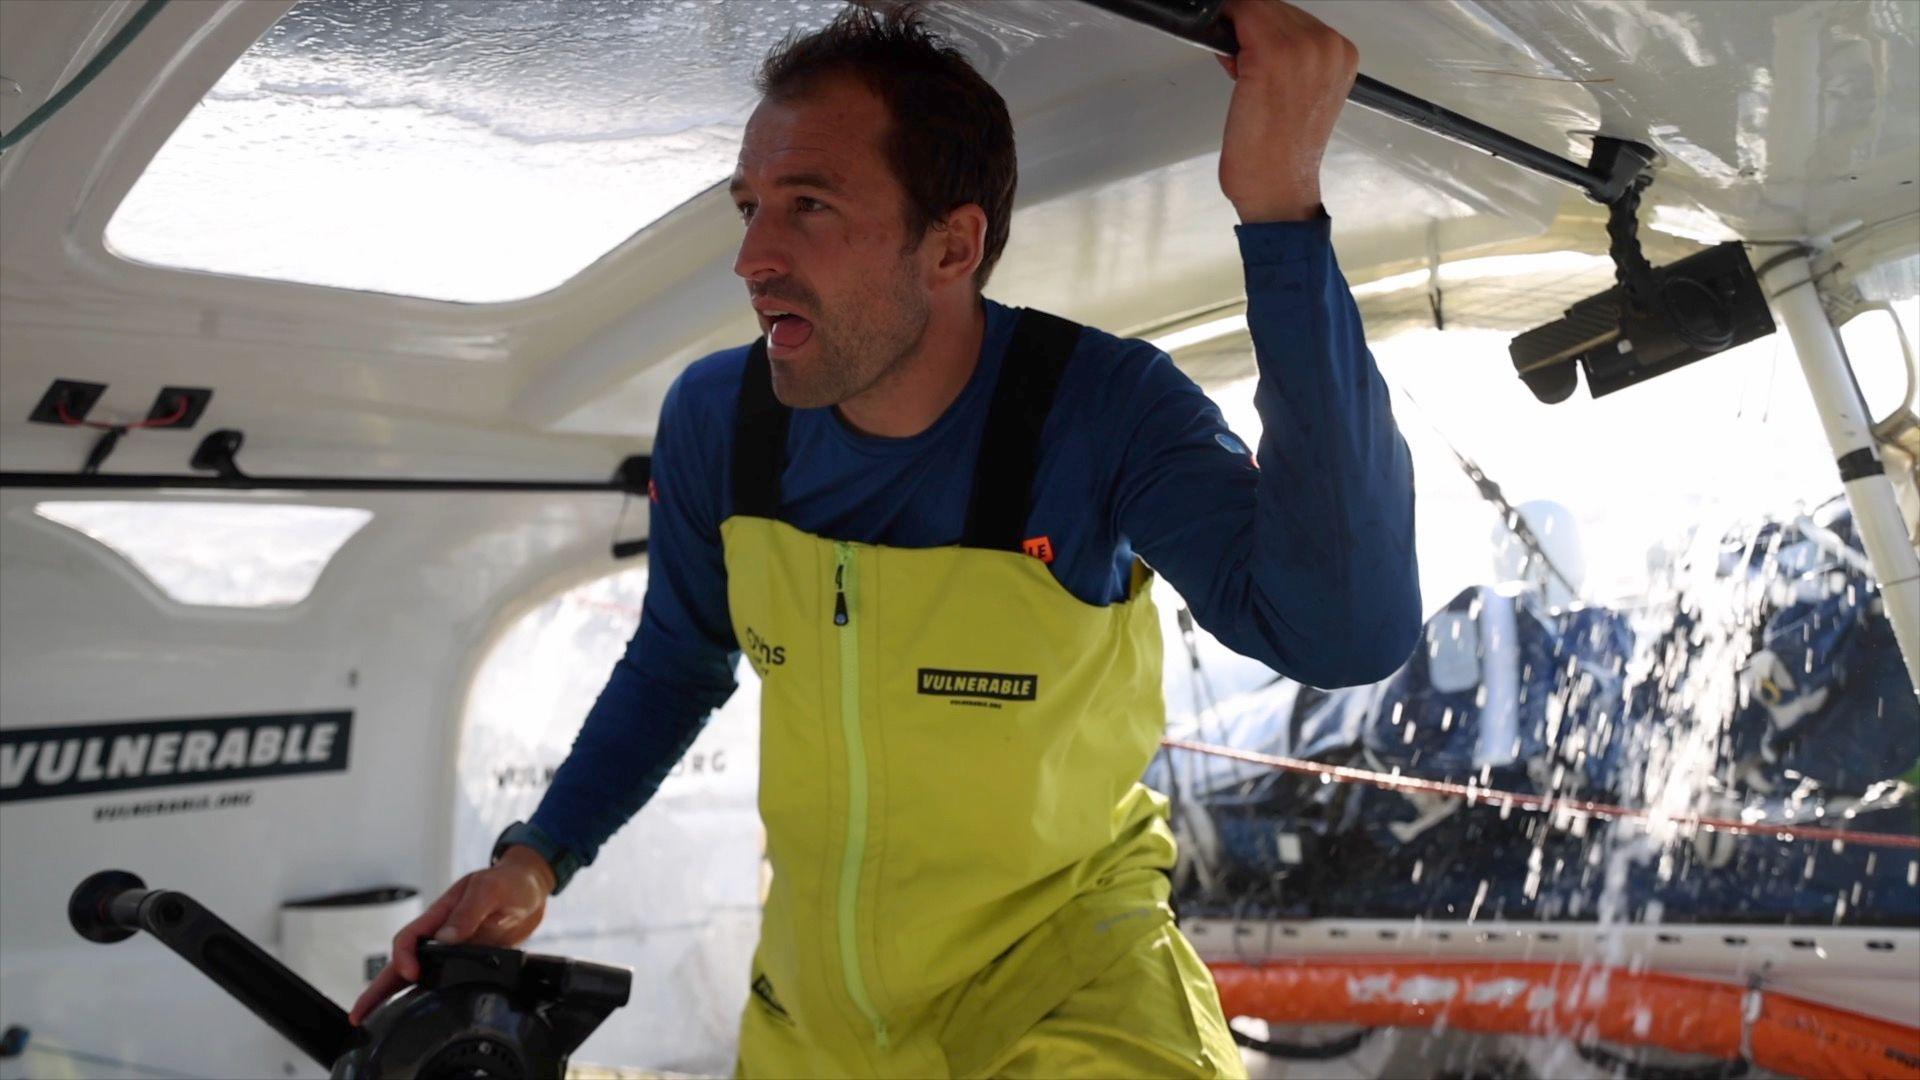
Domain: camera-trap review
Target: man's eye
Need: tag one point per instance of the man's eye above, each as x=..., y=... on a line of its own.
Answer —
x=806, y=205
x=745, y=210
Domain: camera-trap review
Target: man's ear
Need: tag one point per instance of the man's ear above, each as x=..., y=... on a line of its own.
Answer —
x=959, y=243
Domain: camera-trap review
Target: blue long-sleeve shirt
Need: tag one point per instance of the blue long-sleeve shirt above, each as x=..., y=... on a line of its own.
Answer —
x=1305, y=561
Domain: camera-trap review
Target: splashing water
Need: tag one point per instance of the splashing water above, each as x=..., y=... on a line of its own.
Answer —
x=1716, y=697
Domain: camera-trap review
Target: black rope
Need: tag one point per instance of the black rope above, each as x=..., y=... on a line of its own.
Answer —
x=1490, y=491
x=1628, y=1069
x=1511, y=517
x=1326, y=1051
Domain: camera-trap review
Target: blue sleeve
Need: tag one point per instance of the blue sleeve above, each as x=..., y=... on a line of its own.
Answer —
x=1305, y=563
x=679, y=666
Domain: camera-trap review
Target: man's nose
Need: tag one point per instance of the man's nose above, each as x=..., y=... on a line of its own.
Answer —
x=762, y=254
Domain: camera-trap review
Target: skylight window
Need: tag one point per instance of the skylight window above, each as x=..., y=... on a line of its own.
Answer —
x=470, y=151
x=246, y=555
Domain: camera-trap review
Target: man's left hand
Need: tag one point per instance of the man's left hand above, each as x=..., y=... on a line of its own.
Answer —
x=1290, y=77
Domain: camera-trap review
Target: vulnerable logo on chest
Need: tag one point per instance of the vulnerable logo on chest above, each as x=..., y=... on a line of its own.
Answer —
x=982, y=689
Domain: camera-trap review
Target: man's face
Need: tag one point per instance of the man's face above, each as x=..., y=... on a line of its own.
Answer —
x=828, y=265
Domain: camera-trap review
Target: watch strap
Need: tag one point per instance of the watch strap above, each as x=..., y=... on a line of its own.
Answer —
x=560, y=859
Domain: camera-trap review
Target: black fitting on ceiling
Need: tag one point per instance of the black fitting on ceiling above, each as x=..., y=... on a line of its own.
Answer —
x=634, y=475
x=1622, y=167
x=177, y=407
x=217, y=452
x=71, y=397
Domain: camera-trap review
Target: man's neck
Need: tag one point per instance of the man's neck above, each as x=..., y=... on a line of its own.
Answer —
x=918, y=389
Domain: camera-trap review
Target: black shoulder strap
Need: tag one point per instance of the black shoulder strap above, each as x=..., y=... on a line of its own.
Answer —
x=759, y=439
x=1010, y=450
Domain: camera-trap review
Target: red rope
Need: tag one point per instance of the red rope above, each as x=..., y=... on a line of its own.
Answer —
x=1543, y=803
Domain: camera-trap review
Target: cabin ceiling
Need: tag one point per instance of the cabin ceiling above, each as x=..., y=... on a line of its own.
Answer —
x=1775, y=120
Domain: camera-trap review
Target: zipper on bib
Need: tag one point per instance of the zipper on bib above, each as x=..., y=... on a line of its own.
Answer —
x=844, y=583
x=840, y=615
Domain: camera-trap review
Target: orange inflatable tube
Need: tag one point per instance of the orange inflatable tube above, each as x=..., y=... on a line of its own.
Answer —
x=1611, y=1005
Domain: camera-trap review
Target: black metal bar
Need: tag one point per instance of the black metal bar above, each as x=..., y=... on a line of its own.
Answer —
x=148, y=481
x=1195, y=22
x=1421, y=113
x=110, y=905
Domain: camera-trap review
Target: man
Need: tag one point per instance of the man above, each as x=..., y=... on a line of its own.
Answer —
x=926, y=519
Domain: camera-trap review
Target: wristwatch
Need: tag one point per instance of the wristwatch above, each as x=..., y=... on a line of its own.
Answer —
x=564, y=862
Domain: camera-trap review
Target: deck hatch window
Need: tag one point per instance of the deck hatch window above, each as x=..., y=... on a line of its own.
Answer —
x=478, y=152
x=243, y=555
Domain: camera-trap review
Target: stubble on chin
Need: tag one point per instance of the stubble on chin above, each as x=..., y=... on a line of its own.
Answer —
x=849, y=360
x=796, y=391
x=822, y=380
x=846, y=365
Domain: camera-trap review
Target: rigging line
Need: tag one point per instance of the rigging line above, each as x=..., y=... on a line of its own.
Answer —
x=1490, y=491
x=107, y=54
x=1544, y=803
x=1186, y=783
x=1206, y=704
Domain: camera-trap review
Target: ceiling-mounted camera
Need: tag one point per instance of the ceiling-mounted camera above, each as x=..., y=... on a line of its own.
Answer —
x=1706, y=303
x=1653, y=321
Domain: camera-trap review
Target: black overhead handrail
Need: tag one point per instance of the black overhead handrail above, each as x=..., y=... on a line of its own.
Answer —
x=1610, y=175
x=216, y=455
x=152, y=481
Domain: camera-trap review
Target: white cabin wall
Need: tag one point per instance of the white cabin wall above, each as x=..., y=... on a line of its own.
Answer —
x=393, y=631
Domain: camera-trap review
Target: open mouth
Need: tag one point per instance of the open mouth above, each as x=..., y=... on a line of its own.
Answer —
x=786, y=330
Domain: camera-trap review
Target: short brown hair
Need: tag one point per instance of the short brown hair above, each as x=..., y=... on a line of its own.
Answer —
x=950, y=142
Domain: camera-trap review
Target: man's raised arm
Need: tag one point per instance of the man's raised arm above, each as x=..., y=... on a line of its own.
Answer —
x=1306, y=563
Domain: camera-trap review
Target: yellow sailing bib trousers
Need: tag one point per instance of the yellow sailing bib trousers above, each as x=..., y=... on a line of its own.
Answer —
x=968, y=877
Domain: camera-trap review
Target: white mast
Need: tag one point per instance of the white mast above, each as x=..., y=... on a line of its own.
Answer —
x=1843, y=413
